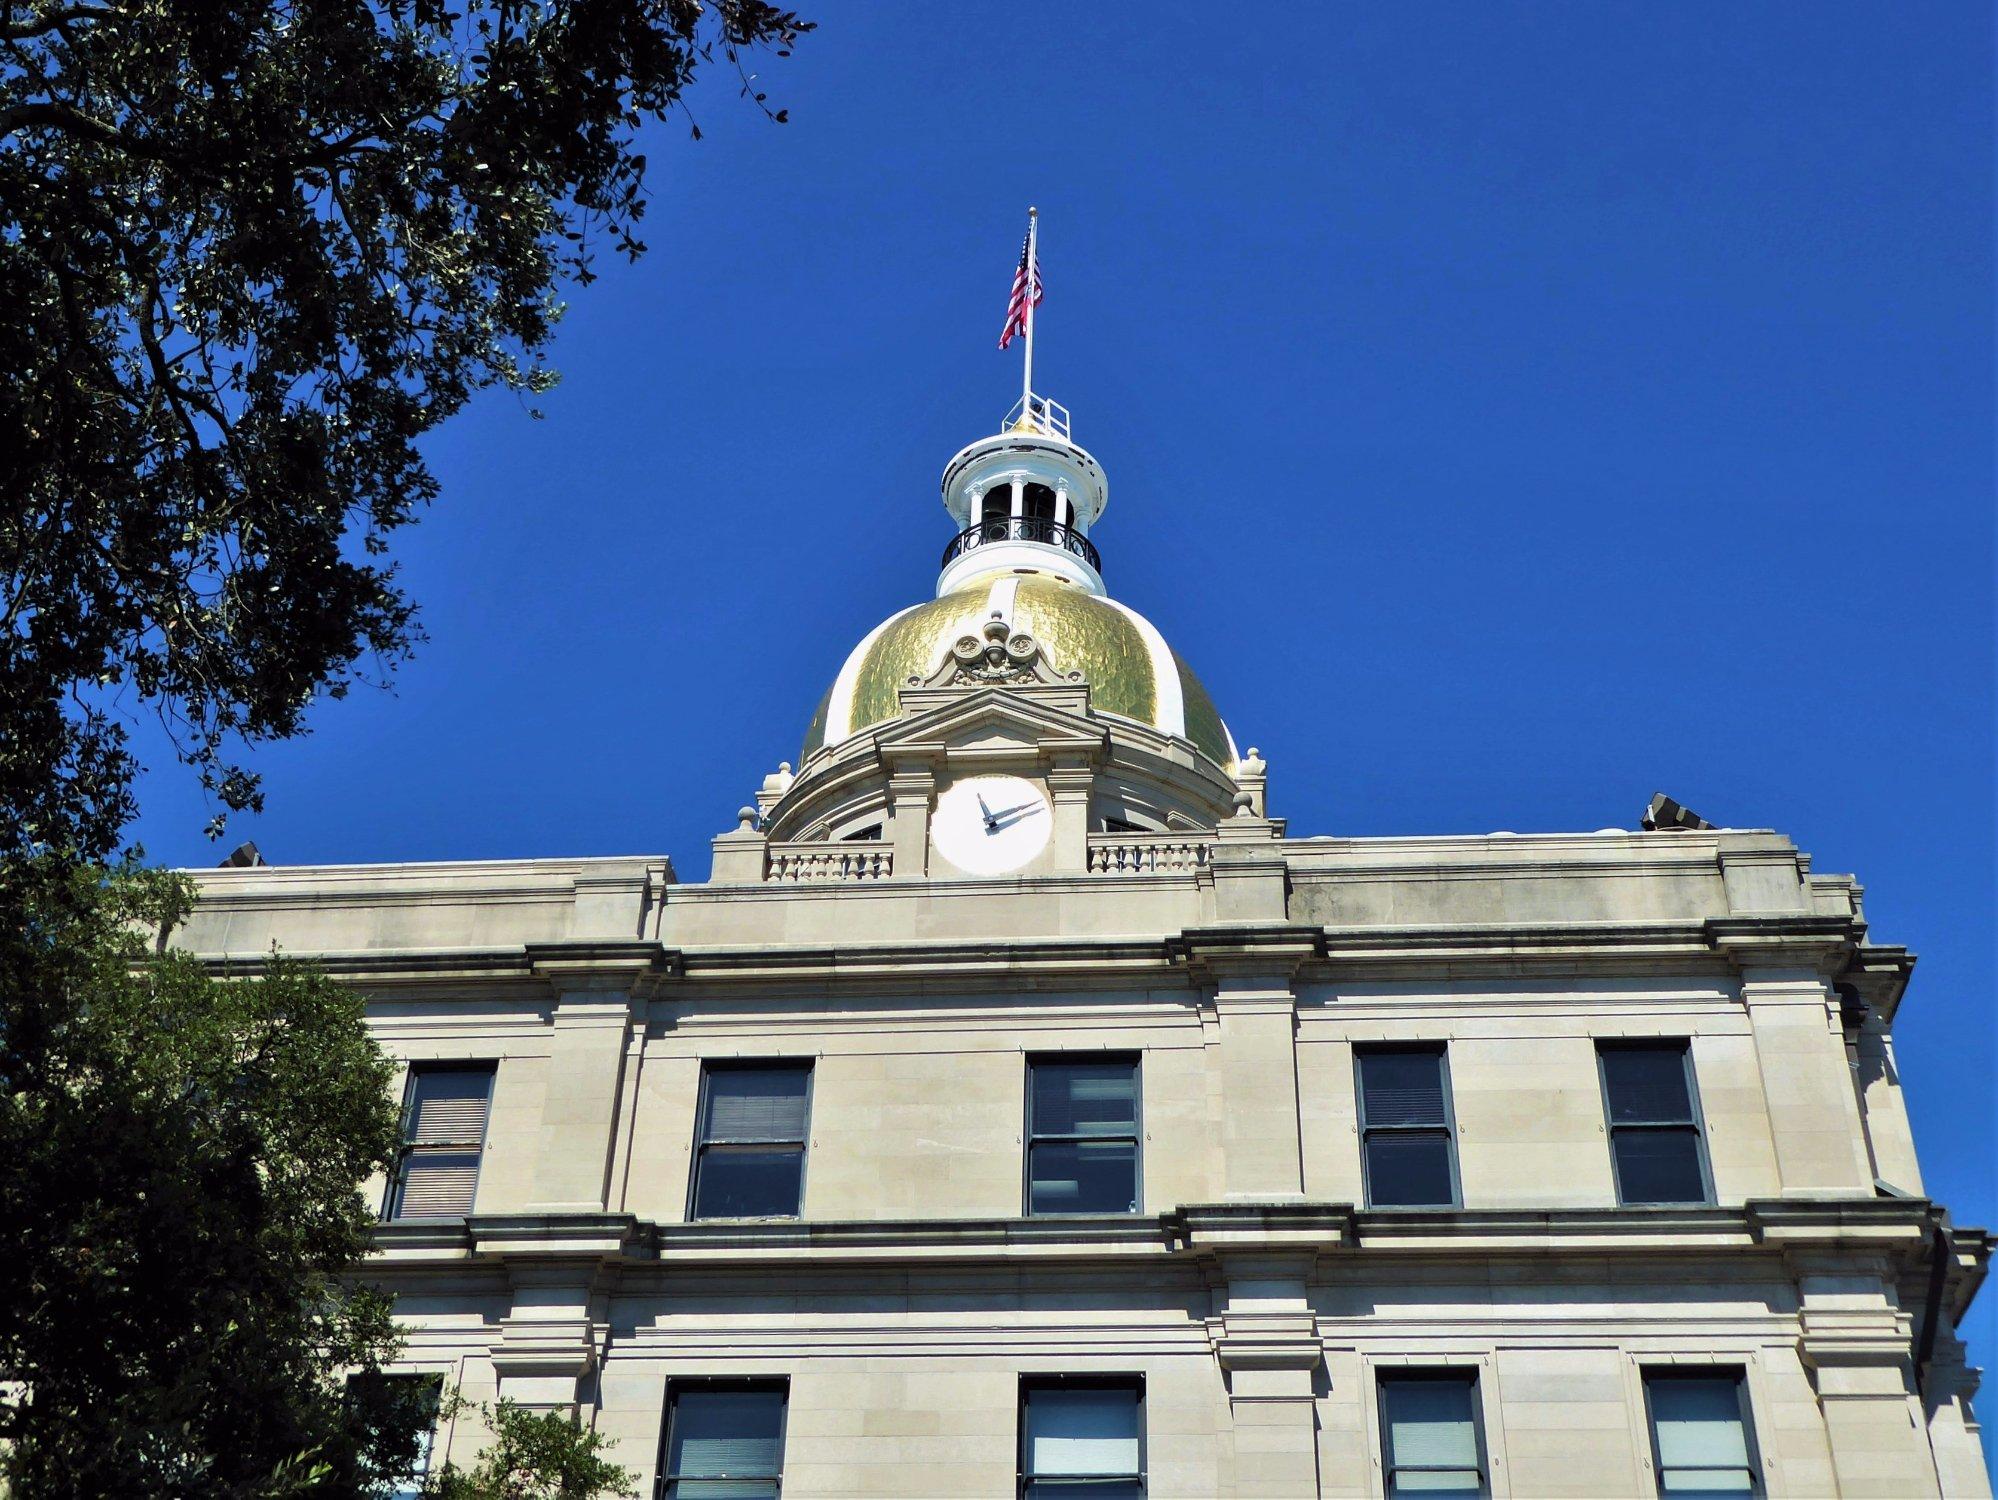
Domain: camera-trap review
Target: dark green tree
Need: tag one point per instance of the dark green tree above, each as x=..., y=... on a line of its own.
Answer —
x=250, y=251
x=534, y=1456
x=180, y=1167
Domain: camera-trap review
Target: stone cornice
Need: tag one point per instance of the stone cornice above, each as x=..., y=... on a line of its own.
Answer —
x=1240, y=948
x=626, y=964
x=1787, y=939
x=1822, y=944
x=1864, y=1230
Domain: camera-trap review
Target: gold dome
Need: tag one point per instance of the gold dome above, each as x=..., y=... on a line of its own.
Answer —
x=1130, y=669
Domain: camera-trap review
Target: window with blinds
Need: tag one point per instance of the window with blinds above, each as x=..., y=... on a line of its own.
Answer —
x=750, y=1159
x=1082, y=1135
x=1407, y=1135
x=1432, y=1442
x=1701, y=1438
x=443, y=1135
x=723, y=1439
x=1082, y=1436
x=1656, y=1144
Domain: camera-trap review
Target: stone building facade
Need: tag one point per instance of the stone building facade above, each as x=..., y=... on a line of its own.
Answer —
x=1019, y=1106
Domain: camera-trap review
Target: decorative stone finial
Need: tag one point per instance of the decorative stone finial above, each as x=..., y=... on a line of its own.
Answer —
x=1253, y=762
x=745, y=819
x=1245, y=805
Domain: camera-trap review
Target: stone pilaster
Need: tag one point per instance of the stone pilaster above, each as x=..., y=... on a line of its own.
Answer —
x=1887, y=1128
x=602, y=997
x=911, y=794
x=1856, y=1346
x=1251, y=971
x=1807, y=1079
x=1265, y=1336
x=1808, y=1083
x=1069, y=783
x=561, y=1271
x=1954, y=1438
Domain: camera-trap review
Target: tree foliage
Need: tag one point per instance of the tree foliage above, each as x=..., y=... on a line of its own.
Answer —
x=534, y=1456
x=180, y=1160
x=250, y=251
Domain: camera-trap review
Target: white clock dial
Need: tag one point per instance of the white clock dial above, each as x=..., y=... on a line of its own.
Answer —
x=989, y=825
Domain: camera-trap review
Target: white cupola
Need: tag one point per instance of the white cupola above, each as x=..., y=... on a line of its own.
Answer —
x=1024, y=500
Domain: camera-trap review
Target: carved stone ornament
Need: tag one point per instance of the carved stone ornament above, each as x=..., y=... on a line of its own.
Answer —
x=1001, y=657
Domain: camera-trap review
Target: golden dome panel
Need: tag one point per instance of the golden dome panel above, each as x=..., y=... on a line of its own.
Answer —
x=1130, y=670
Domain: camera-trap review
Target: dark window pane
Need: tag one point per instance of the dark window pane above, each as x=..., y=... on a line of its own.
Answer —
x=1038, y=503
x=1646, y=1084
x=1083, y=1177
x=1659, y=1166
x=1402, y=1088
x=725, y=1444
x=1409, y=1169
x=1084, y=1489
x=1085, y=1098
x=757, y=1104
x=749, y=1182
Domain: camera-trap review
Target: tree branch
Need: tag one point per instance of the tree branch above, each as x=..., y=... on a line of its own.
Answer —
x=53, y=20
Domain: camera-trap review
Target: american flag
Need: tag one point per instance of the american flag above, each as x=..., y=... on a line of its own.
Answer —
x=1018, y=306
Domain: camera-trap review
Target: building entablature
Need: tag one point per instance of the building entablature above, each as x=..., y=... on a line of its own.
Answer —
x=1310, y=957
x=1883, y=1237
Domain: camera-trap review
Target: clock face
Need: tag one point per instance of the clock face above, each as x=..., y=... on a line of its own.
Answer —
x=989, y=825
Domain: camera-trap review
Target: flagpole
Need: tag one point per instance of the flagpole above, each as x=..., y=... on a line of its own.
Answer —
x=1033, y=270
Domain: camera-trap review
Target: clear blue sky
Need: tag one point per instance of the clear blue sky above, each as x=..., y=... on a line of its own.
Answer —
x=1510, y=412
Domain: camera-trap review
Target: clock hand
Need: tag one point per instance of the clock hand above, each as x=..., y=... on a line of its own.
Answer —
x=1012, y=815
x=989, y=814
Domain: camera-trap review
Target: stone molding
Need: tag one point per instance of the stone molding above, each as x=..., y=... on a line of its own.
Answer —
x=630, y=967
x=1870, y=1236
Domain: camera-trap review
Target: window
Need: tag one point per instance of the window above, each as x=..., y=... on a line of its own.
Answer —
x=871, y=831
x=1082, y=1136
x=443, y=1134
x=1654, y=1123
x=724, y=1440
x=1431, y=1440
x=391, y=1400
x=1701, y=1439
x=1038, y=503
x=1082, y=1438
x=750, y=1160
x=1407, y=1142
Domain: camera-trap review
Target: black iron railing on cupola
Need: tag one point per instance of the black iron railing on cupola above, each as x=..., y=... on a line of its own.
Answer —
x=1023, y=529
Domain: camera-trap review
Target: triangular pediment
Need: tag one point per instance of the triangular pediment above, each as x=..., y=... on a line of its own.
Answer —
x=996, y=719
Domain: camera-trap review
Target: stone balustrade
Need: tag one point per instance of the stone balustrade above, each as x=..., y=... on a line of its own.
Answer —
x=869, y=859
x=1147, y=853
